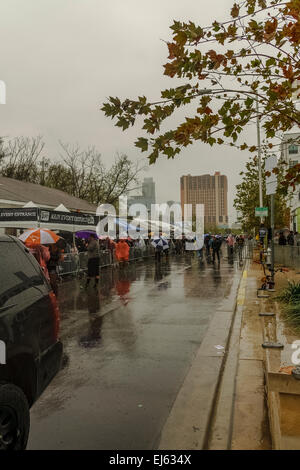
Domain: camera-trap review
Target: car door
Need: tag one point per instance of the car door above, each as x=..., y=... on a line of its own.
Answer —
x=22, y=289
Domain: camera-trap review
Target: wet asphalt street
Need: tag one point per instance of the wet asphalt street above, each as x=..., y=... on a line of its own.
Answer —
x=128, y=347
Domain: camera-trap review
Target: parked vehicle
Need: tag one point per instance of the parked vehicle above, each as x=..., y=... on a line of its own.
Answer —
x=29, y=324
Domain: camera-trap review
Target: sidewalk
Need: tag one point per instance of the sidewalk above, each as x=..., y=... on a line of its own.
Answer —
x=245, y=400
x=250, y=414
x=240, y=417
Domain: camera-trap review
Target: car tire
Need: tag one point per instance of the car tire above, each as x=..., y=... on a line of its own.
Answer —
x=14, y=418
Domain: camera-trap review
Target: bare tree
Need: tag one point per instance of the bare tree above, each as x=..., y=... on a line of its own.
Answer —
x=90, y=180
x=20, y=158
x=2, y=155
x=80, y=172
x=119, y=178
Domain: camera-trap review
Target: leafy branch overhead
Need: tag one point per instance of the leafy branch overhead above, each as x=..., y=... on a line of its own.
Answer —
x=226, y=68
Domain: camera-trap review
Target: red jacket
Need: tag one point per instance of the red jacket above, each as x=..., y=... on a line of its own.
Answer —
x=122, y=250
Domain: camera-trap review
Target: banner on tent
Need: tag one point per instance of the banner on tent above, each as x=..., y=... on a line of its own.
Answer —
x=35, y=214
x=69, y=218
x=18, y=215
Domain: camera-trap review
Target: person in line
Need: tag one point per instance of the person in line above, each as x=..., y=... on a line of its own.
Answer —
x=206, y=243
x=230, y=244
x=178, y=246
x=240, y=245
x=158, y=248
x=282, y=239
x=52, y=266
x=93, y=260
x=42, y=255
x=290, y=238
x=199, y=247
x=122, y=252
x=216, y=246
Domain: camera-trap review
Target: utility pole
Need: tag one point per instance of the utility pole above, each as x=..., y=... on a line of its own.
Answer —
x=271, y=187
x=272, y=240
x=259, y=160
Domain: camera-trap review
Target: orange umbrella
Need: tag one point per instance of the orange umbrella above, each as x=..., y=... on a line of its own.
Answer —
x=39, y=236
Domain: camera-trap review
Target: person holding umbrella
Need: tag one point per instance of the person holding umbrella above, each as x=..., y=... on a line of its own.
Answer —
x=160, y=244
x=39, y=237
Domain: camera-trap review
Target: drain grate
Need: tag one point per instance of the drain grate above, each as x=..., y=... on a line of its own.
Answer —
x=272, y=345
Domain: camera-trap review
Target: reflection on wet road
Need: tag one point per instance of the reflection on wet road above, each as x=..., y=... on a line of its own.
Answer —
x=128, y=347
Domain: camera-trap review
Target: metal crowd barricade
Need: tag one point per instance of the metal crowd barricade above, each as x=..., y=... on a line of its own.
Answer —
x=106, y=258
x=241, y=252
x=83, y=261
x=77, y=263
x=248, y=249
x=135, y=253
x=69, y=265
x=288, y=256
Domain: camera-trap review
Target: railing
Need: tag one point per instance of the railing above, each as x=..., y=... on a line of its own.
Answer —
x=241, y=252
x=288, y=256
x=76, y=263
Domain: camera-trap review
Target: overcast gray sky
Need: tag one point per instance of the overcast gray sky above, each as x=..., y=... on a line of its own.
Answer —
x=60, y=59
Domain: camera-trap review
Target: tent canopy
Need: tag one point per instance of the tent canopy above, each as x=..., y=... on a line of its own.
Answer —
x=30, y=204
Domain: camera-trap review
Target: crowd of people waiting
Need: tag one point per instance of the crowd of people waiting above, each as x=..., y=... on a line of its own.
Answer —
x=49, y=257
x=290, y=238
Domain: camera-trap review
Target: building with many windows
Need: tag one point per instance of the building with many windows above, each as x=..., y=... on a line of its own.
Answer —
x=290, y=153
x=211, y=191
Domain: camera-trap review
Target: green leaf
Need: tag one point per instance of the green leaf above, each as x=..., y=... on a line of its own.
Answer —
x=180, y=38
x=142, y=143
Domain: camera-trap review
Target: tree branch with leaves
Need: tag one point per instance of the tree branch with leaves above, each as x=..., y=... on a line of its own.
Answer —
x=253, y=57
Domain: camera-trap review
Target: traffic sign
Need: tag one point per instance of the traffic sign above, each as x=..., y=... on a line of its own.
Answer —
x=261, y=212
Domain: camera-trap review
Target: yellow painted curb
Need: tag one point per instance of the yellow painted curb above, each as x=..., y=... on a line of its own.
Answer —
x=242, y=290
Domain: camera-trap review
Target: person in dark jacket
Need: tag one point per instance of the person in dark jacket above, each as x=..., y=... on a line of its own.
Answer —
x=93, y=260
x=282, y=239
x=52, y=266
x=291, y=239
x=206, y=243
x=216, y=246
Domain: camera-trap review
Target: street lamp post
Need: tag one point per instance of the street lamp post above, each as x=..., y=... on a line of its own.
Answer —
x=259, y=160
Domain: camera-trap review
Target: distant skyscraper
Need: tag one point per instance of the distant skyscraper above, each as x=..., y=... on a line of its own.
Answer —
x=211, y=191
x=148, y=194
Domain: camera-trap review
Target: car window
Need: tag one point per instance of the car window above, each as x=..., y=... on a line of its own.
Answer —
x=17, y=274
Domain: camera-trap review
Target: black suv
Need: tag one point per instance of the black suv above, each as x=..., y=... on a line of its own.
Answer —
x=30, y=352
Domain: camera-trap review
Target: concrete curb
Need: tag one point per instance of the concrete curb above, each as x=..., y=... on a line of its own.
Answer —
x=188, y=424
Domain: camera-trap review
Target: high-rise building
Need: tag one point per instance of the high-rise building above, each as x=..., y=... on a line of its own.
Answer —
x=211, y=191
x=148, y=194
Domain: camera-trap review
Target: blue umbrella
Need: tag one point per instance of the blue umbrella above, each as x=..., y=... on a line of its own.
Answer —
x=160, y=242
